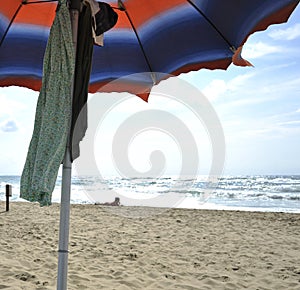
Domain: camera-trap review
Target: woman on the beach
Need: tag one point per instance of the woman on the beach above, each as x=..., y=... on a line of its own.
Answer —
x=116, y=202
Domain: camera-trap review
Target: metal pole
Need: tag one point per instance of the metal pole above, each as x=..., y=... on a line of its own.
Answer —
x=62, y=273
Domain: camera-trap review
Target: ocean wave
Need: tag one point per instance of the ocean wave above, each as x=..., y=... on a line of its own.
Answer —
x=276, y=191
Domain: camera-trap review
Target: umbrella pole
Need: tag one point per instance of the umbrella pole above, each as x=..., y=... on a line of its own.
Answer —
x=62, y=273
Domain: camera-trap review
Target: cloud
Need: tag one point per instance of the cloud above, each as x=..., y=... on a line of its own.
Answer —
x=217, y=87
x=10, y=106
x=290, y=123
x=9, y=126
x=280, y=125
x=289, y=33
x=240, y=81
x=259, y=49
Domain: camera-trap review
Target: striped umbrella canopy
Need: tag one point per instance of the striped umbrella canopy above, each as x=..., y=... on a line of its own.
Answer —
x=169, y=37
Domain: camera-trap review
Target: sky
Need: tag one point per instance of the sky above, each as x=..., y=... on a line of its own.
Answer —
x=258, y=108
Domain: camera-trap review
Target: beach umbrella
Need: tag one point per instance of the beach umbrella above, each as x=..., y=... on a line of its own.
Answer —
x=170, y=36
x=166, y=37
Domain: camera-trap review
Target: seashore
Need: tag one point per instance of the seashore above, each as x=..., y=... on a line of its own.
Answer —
x=150, y=248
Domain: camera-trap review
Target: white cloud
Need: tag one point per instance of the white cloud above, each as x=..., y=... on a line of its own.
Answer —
x=259, y=49
x=9, y=126
x=289, y=123
x=215, y=89
x=9, y=106
x=268, y=127
x=284, y=87
x=289, y=33
x=286, y=115
x=239, y=81
x=265, y=131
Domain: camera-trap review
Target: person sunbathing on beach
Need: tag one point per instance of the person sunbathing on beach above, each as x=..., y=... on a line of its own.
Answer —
x=116, y=202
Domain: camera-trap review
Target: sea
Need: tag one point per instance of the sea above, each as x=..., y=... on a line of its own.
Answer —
x=267, y=193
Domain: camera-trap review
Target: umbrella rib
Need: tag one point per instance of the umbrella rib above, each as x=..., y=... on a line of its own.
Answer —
x=40, y=1
x=24, y=2
x=213, y=25
x=10, y=23
x=136, y=34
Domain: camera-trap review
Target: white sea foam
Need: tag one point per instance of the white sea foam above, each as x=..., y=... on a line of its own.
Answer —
x=251, y=193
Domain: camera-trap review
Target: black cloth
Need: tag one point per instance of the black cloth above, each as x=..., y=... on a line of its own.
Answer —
x=106, y=18
x=83, y=67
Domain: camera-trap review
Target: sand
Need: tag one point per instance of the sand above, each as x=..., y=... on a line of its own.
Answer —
x=152, y=249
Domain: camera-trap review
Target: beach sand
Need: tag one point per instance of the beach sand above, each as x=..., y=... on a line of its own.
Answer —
x=152, y=249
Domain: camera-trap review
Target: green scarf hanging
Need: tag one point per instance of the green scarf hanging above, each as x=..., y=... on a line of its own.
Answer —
x=53, y=113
